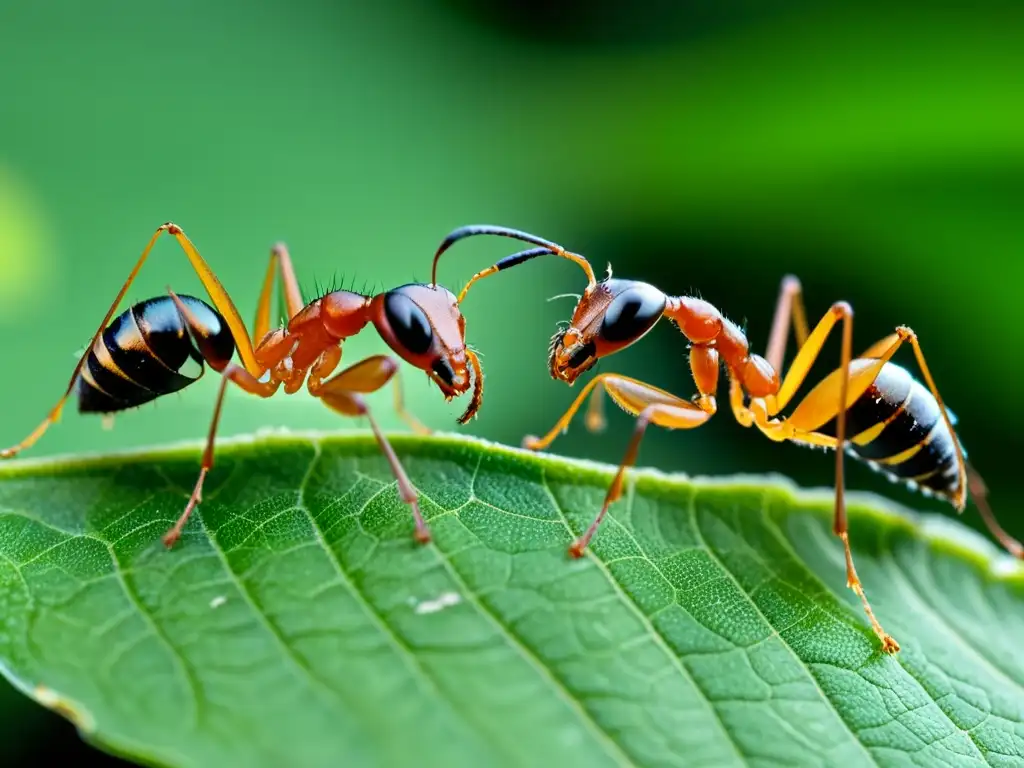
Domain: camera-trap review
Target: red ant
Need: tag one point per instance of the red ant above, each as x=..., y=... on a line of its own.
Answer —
x=140, y=355
x=869, y=407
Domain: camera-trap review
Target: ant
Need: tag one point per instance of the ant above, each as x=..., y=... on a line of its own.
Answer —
x=869, y=407
x=142, y=354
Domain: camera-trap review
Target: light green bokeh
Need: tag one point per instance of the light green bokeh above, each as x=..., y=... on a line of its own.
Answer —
x=25, y=256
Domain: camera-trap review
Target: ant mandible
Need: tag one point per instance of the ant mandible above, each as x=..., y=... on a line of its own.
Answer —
x=869, y=407
x=140, y=355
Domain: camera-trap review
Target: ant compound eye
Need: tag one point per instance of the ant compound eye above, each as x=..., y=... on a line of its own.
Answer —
x=408, y=323
x=632, y=313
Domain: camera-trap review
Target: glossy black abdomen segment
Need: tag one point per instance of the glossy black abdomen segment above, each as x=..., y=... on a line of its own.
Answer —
x=912, y=418
x=140, y=355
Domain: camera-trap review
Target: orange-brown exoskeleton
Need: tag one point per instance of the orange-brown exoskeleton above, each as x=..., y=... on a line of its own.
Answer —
x=869, y=407
x=142, y=354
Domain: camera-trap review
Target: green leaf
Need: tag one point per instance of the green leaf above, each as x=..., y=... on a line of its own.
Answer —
x=298, y=623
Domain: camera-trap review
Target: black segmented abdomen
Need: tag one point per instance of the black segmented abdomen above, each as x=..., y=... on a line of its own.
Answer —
x=912, y=418
x=139, y=356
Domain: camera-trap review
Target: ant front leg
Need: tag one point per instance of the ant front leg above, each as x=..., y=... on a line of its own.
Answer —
x=703, y=364
x=344, y=394
x=398, y=403
x=650, y=405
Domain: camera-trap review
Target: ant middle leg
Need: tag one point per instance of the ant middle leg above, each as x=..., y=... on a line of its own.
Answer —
x=344, y=394
x=328, y=362
x=398, y=403
x=830, y=399
x=651, y=406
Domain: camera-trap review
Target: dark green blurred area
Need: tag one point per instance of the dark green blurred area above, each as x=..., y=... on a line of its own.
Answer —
x=878, y=153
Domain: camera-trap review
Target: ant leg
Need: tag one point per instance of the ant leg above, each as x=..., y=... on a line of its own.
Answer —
x=737, y=401
x=533, y=443
x=344, y=394
x=280, y=262
x=840, y=524
x=832, y=399
x=979, y=492
x=595, y=420
x=970, y=481
x=651, y=406
x=246, y=381
x=630, y=394
x=322, y=368
x=398, y=403
x=889, y=643
x=221, y=300
x=859, y=379
x=906, y=334
x=325, y=366
x=171, y=537
x=704, y=364
x=790, y=305
x=814, y=411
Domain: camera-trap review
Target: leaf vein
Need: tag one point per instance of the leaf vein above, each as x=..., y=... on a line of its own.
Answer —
x=403, y=650
x=184, y=668
x=296, y=663
x=781, y=538
x=656, y=635
x=613, y=749
x=776, y=631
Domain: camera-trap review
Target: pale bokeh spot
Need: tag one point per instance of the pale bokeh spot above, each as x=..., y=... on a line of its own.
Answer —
x=26, y=257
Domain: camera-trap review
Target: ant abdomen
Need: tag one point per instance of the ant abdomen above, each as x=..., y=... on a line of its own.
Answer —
x=915, y=446
x=148, y=351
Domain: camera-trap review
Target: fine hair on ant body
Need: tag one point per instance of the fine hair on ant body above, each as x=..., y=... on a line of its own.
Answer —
x=869, y=407
x=140, y=355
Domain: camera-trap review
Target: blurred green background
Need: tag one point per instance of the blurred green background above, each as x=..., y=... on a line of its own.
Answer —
x=876, y=151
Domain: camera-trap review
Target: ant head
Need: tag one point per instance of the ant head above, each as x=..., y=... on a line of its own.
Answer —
x=423, y=325
x=610, y=316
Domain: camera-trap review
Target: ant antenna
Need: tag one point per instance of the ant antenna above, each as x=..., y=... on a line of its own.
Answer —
x=547, y=247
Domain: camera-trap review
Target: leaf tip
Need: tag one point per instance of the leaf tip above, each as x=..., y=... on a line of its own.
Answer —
x=66, y=708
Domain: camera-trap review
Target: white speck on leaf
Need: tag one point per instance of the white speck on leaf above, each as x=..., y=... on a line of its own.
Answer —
x=445, y=600
x=218, y=601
